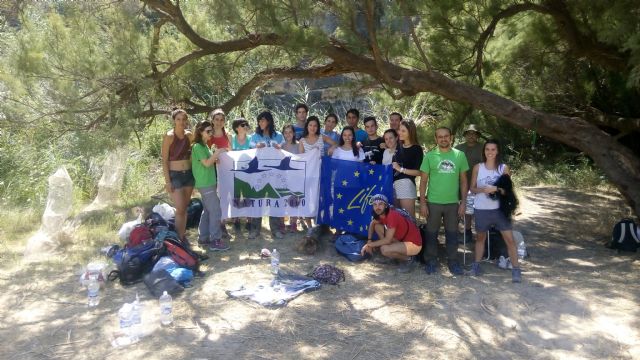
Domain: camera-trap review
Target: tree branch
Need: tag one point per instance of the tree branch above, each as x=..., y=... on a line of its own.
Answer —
x=175, y=16
x=580, y=44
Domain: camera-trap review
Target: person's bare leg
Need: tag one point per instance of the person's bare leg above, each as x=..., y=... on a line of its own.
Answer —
x=481, y=237
x=507, y=235
x=181, y=198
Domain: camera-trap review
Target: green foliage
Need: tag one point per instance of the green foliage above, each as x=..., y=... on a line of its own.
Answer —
x=578, y=173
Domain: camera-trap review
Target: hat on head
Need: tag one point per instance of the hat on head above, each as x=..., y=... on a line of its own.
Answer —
x=471, y=127
x=379, y=197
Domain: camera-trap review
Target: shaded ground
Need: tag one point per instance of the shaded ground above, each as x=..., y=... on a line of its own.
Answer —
x=578, y=300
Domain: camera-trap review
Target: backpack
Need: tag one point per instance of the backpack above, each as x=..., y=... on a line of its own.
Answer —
x=182, y=255
x=625, y=236
x=139, y=235
x=194, y=211
x=156, y=224
x=349, y=246
x=133, y=262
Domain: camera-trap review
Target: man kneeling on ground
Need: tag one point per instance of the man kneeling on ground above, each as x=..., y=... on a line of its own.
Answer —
x=399, y=237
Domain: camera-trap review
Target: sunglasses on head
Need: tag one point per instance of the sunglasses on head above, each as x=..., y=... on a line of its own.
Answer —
x=209, y=131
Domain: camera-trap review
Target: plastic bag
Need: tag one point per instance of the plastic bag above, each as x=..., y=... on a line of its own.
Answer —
x=165, y=210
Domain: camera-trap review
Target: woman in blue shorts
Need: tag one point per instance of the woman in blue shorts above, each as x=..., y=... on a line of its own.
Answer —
x=487, y=207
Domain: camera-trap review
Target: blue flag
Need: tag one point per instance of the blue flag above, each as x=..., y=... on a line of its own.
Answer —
x=346, y=188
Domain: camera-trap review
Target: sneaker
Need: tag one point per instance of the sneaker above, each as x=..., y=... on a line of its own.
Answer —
x=431, y=268
x=407, y=266
x=516, y=275
x=475, y=269
x=278, y=234
x=218, y=245
x=502, y=262
x=456, y=269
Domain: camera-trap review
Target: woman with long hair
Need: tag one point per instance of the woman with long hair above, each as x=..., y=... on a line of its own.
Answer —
x=267, y=136
x=406, y=164
x=219, y=138
x=487, y=207
x=176, y=167
x=347, y=149
x=203, y=162
x=390, y=146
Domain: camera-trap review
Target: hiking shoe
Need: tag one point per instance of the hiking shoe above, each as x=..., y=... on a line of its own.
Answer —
x=516, y=275
x=431, y=268
x=475, y=269
x=407, y=266
x=456, y=269
x=278, y=234
x=218, y=245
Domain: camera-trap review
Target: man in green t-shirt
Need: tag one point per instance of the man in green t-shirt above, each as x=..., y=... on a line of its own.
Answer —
x=473, y=151
x=444, y=170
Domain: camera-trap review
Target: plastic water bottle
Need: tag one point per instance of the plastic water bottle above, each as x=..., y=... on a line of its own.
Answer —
x=166, y=309
x=136, y=318
x=93, y=292
x=124, y=316
x=471, y=197
x=275, y=262
x=522, y=249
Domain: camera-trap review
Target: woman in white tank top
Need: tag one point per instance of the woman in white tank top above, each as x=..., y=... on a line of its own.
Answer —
x=487, y=207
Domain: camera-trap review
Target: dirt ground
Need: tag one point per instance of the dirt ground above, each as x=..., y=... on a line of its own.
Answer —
x=578, y=300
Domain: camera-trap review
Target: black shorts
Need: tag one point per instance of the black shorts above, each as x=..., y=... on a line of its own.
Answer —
x=180, y=179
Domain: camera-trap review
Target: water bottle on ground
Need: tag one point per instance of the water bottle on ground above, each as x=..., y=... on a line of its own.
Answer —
x=522, y=249
x=166, y=309
x=124, y=316
x=275, y=262
x=136, y=318
x=93, y=292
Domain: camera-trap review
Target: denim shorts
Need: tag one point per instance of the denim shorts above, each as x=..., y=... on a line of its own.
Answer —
x=486, y=218
x=180, y=179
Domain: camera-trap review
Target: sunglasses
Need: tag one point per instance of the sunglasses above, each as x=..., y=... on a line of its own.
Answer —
x=243, y=125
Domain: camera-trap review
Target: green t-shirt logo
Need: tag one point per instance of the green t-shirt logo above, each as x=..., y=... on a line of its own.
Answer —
x=446, y=167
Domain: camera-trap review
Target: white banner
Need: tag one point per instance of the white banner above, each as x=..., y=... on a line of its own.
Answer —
x=268, y=182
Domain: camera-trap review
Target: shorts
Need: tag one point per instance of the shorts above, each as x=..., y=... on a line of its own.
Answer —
x=486, y=218
x=404, y=189
x=180, y=179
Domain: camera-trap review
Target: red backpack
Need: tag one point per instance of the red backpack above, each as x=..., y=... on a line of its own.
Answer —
x=182, y=255
x=139, y=235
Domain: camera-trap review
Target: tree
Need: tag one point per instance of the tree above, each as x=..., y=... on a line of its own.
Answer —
x=498, y=56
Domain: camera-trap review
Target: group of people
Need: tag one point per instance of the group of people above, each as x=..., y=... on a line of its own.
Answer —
x=446, y=173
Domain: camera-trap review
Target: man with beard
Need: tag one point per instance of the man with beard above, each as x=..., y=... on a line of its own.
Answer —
x=444, y=170
x=399, y=237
